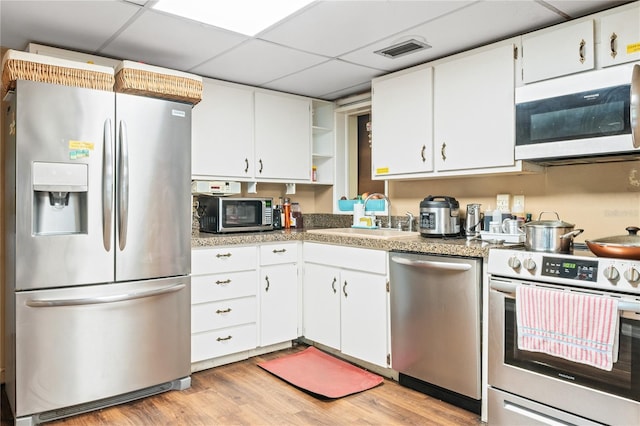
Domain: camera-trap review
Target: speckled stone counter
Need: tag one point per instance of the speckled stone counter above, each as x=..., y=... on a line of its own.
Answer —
x=453, y=247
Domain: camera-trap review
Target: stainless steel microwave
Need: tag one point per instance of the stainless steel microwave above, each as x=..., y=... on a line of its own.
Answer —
x=593, y=115
x=234, y=214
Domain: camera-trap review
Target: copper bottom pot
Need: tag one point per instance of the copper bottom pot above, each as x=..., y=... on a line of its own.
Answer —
x=621, y=246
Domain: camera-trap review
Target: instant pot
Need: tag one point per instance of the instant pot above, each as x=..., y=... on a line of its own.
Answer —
x=439, y=216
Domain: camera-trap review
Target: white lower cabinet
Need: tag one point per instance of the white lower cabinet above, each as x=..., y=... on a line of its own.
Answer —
x=345, y=300
x=278, y=290
x=224, y=301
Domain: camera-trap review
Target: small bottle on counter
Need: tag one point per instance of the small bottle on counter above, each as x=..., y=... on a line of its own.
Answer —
x=286, y=211
x=296, y=215
x=314, y=174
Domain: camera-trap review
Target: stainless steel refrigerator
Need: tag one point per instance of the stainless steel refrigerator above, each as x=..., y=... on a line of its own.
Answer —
x=98, y=228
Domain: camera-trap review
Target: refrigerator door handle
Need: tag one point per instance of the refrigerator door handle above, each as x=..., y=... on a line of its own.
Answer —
x=41, y=303
x=123, y=186
x=107, y=184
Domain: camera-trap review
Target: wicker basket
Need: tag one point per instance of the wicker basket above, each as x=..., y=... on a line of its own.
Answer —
x=152, y=81
x=28, y=66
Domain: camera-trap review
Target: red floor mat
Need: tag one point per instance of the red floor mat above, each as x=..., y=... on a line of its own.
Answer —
x=321, y=374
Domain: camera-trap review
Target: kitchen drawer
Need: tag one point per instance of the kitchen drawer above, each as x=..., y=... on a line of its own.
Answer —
x=360, y=259
x=226, y=313
x=223, y=259
x=273, y=254
x=229, y=285
x=222, y=342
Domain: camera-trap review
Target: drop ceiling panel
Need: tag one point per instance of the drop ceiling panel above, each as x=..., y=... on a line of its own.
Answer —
x=577, y=8
x=316, y=83
x=164, y=40
x=77, y=25
x=478, y=24
x=333, y=28
x=273, y=61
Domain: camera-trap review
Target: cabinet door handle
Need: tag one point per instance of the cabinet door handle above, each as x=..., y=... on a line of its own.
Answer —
x=260, y=170
x=612, y=45
x=223, y=282
x=279, y=250
x=443, y=151
x=220, y=339
x=223, y=311
x=333, y=285
x=422, y=151
x=581, y=51
x=246, y=165
x=219, y=255
x=266, y=278
x=344, y=289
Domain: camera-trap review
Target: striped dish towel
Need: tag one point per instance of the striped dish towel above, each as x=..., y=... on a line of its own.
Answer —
x=575, y=326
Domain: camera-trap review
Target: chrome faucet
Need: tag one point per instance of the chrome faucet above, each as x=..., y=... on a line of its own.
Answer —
x=388, y=206
x=409, y=222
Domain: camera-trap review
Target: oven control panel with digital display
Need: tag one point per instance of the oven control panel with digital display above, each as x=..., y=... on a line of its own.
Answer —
x=570, y=268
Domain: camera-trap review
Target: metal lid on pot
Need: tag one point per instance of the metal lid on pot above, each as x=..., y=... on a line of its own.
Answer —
x=549, y=223
x=632, y=239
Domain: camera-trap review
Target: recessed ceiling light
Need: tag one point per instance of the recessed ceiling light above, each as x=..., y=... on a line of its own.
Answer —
x=247, y=17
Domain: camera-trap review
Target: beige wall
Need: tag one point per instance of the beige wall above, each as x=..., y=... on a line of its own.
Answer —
x=603, y=199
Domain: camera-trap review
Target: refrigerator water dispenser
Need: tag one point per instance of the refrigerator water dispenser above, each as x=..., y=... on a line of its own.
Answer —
x=59, y=198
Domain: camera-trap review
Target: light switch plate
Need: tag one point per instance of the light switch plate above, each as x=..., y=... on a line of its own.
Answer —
x=518, y=204
x=503, y=202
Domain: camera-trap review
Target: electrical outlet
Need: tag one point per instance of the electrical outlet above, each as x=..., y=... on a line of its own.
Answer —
x=503, y=202
x=518, y=204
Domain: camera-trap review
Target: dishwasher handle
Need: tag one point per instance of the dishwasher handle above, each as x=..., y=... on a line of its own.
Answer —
x=432, y=264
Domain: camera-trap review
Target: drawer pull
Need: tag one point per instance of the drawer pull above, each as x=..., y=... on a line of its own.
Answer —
x=223, y=311
x=222, y=282
x=221, y=339
x=219, y=255
x=279, y=251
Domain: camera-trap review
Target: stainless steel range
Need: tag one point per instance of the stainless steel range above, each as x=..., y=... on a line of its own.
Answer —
x=527, y=387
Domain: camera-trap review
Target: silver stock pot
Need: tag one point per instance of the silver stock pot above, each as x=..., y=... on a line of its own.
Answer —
x=552, y=236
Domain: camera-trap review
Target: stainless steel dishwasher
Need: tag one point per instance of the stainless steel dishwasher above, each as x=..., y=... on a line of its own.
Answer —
x=436, y=325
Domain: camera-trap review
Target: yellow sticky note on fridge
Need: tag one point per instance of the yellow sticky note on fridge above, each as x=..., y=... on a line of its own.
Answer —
x=81, y=145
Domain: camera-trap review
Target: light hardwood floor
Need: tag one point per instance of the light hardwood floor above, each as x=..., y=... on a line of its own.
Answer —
x=244, y=394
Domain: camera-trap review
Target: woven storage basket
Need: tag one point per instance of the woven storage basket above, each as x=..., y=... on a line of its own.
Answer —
x=156, y=82
x=28, y=66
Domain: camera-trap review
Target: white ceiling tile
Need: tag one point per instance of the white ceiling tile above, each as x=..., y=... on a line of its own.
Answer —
x=274, y=61
x=577, y=8
x=325, y=78
x=160, y=39
x=333, y=28
x=483, y=23
x=81, y=25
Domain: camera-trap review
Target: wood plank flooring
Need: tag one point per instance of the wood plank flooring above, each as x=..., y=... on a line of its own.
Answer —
x=244, y=394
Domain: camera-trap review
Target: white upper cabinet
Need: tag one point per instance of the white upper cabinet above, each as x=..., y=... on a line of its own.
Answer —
x=402, y=123
x=242, y=133
x=558, y=51
x=474, y=114
x=620, y=37
x=283, y=137
x=222, y=132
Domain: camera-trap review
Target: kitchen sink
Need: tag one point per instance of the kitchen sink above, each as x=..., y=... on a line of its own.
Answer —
x=380, y=234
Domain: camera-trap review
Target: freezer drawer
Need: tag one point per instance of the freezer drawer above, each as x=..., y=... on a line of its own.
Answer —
x=76, y=345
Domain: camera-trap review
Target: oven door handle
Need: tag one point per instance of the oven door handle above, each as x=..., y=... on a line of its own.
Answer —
x=509, y=289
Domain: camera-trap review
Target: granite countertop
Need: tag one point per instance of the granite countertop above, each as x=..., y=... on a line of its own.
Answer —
x=419, y=244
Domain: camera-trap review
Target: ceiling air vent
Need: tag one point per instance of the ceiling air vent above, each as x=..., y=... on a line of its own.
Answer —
x=403, y=48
